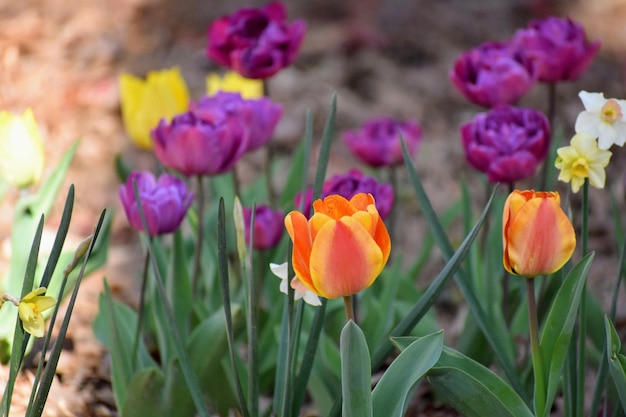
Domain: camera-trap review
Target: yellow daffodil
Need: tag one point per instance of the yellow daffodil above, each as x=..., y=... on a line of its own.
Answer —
x=21, y=149
x=582, y=159
x=603, y=118
x=233, y=82
x=163, y=94
x=30, y=309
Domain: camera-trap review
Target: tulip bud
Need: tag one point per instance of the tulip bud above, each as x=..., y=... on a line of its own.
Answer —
x=21, y=149
x=537, y=236
x=268, y=226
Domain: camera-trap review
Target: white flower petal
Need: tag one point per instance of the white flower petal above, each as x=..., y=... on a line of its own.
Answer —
x=587, y=122
x=593, y=102
x=280, y=270
x=606, y=136
x=311, y=299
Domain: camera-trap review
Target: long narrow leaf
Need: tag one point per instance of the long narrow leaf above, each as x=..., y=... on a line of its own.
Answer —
x=559, y=326
x=474, y=390
x=324, y=156
x=498, y=341
x=390, y=394
x=355, y=372
x=617, y=361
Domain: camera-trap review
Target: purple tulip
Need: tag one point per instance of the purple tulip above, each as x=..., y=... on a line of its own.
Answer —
x=506, y=143
x=258, y=117
x=206, y=140
x=354, y=182
x=257, y=43
x=377, y=142
x=268, y=226
x=557, y=48
x=164, y=201
x=492, y=74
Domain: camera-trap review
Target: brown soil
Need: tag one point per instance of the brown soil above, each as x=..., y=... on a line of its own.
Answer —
x=391, y=57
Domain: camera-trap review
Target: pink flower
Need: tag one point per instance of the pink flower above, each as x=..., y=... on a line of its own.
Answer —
x=377, y=142
x=557, y=48
x=268, y=226
x=494, y=73
x=256, y=42
x=507, y=143
x=164, y=201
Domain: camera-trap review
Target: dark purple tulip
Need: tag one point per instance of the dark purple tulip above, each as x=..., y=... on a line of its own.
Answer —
x=377, y=142
x=507, y=143
x=204, y=141
x=258, y=117
x=256, y=42
x=268, y=226
x=492, y=74
x=164, y=201
x=557, y=48
x=354, y=182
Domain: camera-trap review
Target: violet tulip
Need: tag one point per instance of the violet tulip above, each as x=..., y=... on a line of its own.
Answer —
x=507, y=143
x=206, y=140
x=256, y=42
x=268, y=226
x=354, y=182
x=258, y=117
x=377, y=143
x=494, y=73
x=557, y=48
x=164, y=201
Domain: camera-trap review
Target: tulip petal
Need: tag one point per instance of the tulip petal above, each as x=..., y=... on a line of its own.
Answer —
x=345, y=259
x=297, y=227
x=334, y=206
x=540, y=238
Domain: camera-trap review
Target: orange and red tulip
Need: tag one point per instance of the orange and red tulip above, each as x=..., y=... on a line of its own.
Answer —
x=537, y=235
x=342, y=249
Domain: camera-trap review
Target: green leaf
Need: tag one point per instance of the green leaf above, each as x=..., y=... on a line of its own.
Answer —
x=179, y=285
x=356, y=374
x=324, y=155
x=472, y=389
x=145, y=394
x=390, y=395
x=559, y=326
x=617, y=361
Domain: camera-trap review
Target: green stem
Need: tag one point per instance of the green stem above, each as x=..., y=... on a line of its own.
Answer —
x=347, y=302
x=253, y=367
x=195, y=278
x=540, y=385
x=582, y=312
x=140, y=311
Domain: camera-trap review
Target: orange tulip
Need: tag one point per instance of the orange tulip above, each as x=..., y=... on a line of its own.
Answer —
x=537, y=236
x=342, y=249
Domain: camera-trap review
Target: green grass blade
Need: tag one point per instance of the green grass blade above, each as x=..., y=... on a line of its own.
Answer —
x=324, y=156
x=617, y=361
x=222, y=263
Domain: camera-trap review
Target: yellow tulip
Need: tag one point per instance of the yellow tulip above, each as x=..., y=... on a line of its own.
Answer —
x=342, y=249
x=233, y=82
x=163, y=94
x=30, y=309
x=537, y=235
x=21, y=149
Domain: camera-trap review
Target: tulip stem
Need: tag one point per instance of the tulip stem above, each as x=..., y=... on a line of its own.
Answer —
x=347, y=301
x=200, y=240
x=540, y=385
x=582, y=312
x=140, y=310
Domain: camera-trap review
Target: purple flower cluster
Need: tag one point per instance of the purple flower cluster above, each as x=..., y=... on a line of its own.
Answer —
x=256, y=42
x=507, y=143
x=377, y=143
x=349, y=184
x=164, y=201
x=268, y=226
x=210, y=138
x=549, y=50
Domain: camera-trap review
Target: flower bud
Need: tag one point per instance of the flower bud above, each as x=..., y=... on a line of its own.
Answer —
x=268, y=226
x=21, y=149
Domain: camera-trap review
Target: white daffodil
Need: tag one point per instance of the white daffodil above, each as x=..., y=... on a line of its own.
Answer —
x=300, y=291
x=603, y=118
